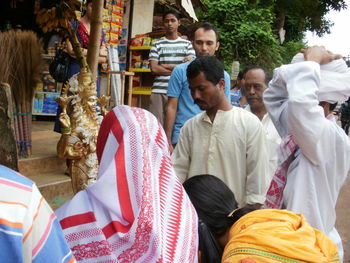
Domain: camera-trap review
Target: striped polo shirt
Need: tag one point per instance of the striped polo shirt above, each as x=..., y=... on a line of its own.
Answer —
x=29, y=230
x=167, y=51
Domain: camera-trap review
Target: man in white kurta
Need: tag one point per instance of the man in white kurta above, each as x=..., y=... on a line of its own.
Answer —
x=225, y=141
x=273, y=140
x=255, y=83
x=322, y=161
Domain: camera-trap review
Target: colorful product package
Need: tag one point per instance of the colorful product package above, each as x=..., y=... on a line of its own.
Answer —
x=147, y=41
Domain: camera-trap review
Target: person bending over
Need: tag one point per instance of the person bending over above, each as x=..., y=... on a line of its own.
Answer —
x=251, y=235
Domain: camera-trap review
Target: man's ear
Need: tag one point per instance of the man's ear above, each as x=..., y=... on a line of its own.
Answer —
x=217, y=46
x=222, y=83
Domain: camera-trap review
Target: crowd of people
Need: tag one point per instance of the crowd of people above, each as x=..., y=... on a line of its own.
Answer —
x=251, y=182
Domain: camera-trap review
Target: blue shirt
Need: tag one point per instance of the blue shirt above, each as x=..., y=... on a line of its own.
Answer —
x=30, y=231
x=178, y=88
x=236, y=95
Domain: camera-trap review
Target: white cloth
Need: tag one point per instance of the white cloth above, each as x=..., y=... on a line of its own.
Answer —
x=273, y=140
x=322, y=162
x=334, y=83
x=137, y=211
x=232, y=148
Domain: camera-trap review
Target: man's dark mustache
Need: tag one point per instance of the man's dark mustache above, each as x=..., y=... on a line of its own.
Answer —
x=252, y=97
x=199, y=101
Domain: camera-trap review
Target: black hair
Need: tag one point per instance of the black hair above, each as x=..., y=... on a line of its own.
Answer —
x=206, y=27
x=267, y=74
x=210, y=250
x=88, y=2
x=332, y=106
x=213, y=201
x=240, y=74
x=209, y=65
x=171, y=11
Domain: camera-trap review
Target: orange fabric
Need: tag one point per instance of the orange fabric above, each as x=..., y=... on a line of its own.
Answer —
x=11, y=224
x=275, y=236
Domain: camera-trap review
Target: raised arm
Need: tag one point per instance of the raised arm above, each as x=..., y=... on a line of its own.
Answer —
x=305, y=118
x=275, y=100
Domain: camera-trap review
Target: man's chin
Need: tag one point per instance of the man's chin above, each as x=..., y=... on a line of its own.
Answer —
x=201, y=106
x=255, y=103
x=203, y=54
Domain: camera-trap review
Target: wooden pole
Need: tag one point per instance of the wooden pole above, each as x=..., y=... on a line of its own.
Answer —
x=130, y=90
x=95, y=36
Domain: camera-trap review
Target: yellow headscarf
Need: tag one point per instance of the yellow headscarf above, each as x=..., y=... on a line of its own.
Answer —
x=271, y=236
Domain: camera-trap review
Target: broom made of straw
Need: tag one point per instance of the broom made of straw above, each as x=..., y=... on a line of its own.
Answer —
x=22, y=51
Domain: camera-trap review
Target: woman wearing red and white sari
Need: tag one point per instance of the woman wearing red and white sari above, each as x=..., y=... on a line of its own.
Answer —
x=137, y=211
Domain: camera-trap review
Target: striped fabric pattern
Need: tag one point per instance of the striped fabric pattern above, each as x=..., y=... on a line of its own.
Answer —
x=137, y=210
x=29, y=230
x=167, y=51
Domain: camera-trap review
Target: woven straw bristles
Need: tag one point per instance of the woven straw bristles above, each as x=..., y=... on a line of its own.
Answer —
x=20, y=54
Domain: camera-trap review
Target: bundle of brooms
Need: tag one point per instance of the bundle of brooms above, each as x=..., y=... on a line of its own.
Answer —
x=20, y=54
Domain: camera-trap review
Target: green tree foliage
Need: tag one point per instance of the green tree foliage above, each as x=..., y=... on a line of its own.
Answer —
x=245, y=32
x=301, y=15
x=249, y=28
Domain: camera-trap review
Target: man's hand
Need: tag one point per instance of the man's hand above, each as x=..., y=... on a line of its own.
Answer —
x=170, y=146
x=169, y=66
x=188, y=58
x=319, y=55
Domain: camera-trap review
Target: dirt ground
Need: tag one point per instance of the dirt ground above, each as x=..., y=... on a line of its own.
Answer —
x=343, y=218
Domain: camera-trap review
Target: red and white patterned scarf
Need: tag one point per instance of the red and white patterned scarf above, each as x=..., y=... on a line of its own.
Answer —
x=288, y=147
x=274, y=197
x=137, y=211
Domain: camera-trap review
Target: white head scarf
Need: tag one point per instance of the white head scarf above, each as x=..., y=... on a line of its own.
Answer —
x=334, y=82
x=137, y=211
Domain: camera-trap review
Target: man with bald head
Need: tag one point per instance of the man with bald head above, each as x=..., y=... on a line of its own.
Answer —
x=256, y=80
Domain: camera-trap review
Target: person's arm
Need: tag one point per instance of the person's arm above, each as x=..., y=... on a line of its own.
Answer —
x=174, y=90
x=190, y=53
x=69, y=48
x=157, y=68
x=169, y=66
x=292, y=103
x=276, y=102
x=227, y=86
x=102, y=58
x=160, y=70
x=306, y=119
x=181, y=156
x=170, y=116
x=42, y=234
x=257, y=164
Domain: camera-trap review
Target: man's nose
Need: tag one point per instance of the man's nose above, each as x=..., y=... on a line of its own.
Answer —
x=250, y=90
x=195, y=94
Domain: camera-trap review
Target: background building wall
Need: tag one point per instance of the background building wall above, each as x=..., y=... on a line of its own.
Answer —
x=142, y=18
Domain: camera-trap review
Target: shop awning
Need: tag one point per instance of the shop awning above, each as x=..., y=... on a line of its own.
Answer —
x=187, y=5
x=184, y=6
